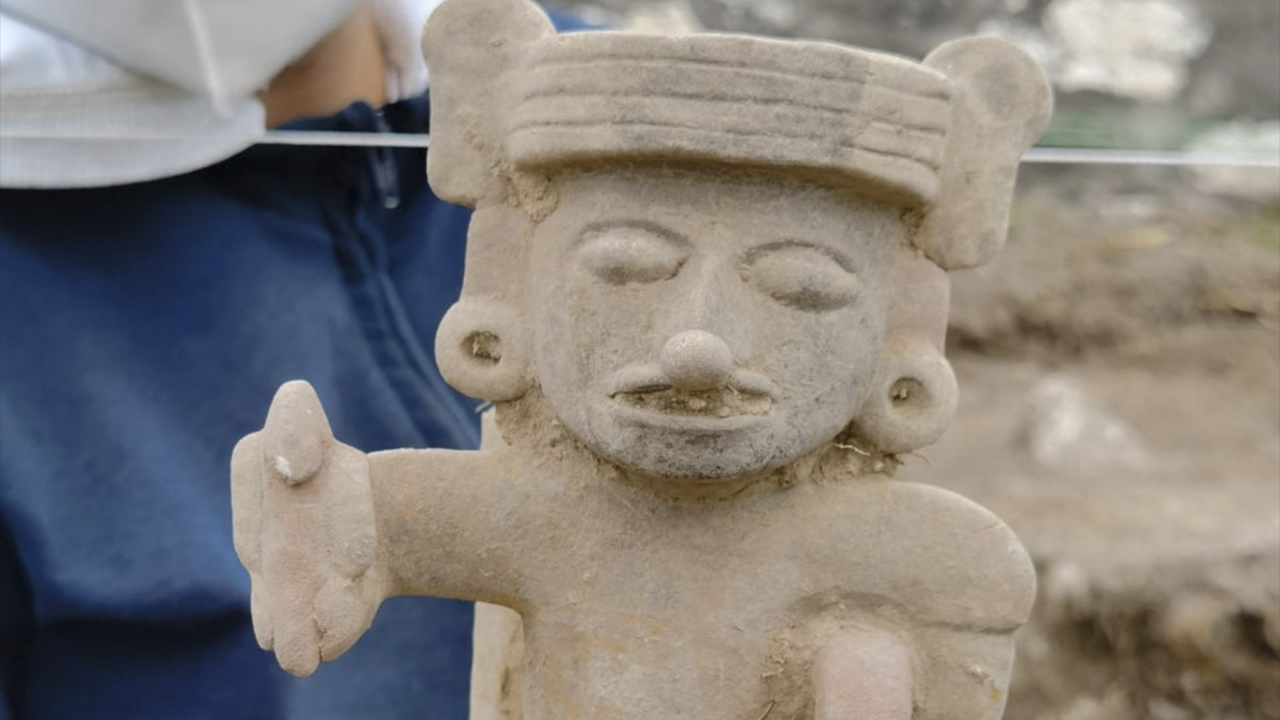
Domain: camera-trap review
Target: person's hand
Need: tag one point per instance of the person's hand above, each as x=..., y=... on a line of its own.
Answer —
x=302, y=509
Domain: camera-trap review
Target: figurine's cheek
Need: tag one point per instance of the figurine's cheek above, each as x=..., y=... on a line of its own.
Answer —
x=827, y=361
x=585, y=335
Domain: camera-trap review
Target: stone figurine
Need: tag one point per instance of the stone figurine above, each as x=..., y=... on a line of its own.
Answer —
x=706, y=292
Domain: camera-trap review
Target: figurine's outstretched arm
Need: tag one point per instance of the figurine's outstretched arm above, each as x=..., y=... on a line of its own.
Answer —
x=324, y=530
x=451, y=524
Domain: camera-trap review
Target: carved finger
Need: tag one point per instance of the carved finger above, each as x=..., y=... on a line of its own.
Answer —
x=246, y=501
x=296, y=640
x=260, y=611
x=344, y=610
x=293, y=570
x=296, y=436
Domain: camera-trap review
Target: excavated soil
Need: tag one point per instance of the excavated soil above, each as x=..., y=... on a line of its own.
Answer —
x=1157, y=539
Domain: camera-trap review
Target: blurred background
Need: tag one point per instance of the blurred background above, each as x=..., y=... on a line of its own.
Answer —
x=1119, y=363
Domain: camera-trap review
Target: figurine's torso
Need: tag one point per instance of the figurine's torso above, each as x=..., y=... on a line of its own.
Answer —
x=638, y=606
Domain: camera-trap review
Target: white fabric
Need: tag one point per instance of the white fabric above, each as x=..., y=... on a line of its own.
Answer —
x=30, y=58
x=400, y=24
x=117, y=91
x=250, y=41
x=71, y=118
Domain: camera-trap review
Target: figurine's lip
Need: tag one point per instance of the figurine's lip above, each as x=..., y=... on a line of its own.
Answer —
x=689, y=423
x=746, y=397
x=645, y=378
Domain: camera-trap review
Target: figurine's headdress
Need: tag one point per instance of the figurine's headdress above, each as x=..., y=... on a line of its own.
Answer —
x=824, y=110
x=514, y=103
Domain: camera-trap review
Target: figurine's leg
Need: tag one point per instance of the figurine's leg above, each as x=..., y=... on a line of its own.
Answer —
x=863, y=676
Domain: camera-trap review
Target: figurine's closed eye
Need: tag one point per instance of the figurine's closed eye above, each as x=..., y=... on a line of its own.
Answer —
x=631, y=253
x=802, y=276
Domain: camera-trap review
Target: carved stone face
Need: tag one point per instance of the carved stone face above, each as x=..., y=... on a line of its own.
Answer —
x=705, y=326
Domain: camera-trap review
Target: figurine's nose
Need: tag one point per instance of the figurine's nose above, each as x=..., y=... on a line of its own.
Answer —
x=696, y=360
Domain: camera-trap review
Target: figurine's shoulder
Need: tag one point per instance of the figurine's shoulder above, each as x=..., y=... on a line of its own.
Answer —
x=937, y=552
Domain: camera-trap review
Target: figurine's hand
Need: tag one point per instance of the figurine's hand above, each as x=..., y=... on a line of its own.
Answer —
x=304, y=526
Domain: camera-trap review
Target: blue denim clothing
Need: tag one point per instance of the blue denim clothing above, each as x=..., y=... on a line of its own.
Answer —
x=143, y=330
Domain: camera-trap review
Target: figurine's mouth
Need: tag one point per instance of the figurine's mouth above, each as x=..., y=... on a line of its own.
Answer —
x=721, y=403
x=746, y=395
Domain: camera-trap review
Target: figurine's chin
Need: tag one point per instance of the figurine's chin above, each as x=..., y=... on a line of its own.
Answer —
x=695, y=448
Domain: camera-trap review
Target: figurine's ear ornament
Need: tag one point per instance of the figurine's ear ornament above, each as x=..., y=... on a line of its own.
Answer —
x=913, y=394
x=471, y=47
x=482, y=346
x=1000, y=104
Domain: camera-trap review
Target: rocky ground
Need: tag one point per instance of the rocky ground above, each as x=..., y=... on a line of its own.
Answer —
x=1120, y=377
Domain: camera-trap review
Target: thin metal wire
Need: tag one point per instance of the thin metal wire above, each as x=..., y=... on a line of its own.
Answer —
x=1067, y=156
x=1038, y=155
x=1109, y=156
x=352, y=139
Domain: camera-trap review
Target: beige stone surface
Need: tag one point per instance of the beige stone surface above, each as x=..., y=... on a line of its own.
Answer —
x=706, y=290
